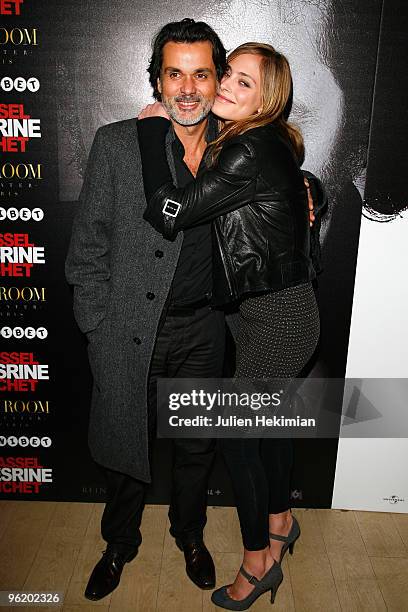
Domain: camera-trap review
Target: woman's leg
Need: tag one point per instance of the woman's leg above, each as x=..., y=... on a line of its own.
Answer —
x=296, y=331
x=277, y=458
x=248, y=476
x=251, y=492
x=277, y=335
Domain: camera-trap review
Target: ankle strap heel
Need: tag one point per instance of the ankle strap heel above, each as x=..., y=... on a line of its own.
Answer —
x=269, y=582
x=289, y=540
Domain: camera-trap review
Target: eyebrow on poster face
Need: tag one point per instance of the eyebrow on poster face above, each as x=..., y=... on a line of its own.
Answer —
x=303, y=112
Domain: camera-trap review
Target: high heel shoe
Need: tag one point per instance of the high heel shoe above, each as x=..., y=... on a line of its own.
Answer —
x=269, y=582
x=289, y=540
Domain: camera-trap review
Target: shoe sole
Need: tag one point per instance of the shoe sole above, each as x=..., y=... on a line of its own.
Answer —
x=94, y=598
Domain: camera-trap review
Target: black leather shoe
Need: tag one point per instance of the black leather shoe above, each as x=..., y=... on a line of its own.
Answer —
x=106, y=573
x=199, y=564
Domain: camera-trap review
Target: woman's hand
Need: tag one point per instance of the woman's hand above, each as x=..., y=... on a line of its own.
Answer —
x=310, y=202
x=153, y=110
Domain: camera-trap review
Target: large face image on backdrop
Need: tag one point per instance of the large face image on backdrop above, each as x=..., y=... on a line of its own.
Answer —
x=102, y=78
x=105, y=64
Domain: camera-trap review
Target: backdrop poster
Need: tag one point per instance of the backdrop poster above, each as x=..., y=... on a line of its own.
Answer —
x=370, y=472
x=90, y=62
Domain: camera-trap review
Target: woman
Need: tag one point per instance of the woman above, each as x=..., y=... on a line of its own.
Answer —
x=253, y=189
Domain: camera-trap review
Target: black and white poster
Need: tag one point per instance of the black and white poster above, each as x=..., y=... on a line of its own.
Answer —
x=72, y=67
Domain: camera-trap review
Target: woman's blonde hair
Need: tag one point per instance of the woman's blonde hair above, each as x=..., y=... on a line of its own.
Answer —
x=276, y=92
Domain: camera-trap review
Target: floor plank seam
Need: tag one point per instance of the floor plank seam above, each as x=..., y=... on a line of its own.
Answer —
x=40, y=543
x=77, y=557
x=161, y=566
x=330, y=565
x=291, y=585
x=369, y=560
x=5, y=527
x=394, y=520
x=79, y=552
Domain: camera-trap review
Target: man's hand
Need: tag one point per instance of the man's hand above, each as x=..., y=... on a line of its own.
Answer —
x=153, y=110
x=310, y=202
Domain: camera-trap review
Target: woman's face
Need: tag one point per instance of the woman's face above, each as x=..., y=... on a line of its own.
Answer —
x=239, y=95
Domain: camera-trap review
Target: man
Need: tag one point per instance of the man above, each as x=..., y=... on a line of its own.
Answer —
x=144, y=304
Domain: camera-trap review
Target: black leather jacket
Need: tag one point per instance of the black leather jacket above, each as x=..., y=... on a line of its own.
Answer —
x=257, y=198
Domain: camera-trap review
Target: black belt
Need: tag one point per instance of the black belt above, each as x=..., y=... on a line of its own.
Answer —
x=185, y=310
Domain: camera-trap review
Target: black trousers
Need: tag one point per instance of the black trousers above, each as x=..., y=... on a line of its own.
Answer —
x=260, y=471
x=189, y=344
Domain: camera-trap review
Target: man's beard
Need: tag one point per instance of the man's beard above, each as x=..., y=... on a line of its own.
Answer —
x=186, y=118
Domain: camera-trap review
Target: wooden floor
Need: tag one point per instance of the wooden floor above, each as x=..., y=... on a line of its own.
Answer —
x=344, y=560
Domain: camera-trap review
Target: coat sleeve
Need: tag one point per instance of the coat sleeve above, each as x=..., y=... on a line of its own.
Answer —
x=319, y=207
x=217, y=191
x=87, y=265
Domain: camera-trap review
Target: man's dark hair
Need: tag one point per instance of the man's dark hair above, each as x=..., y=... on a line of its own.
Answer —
x=185, y=31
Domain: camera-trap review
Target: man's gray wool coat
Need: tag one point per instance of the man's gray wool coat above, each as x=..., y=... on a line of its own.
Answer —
x=121, y=270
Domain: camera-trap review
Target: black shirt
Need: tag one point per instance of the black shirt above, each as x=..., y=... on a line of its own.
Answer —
x=192, y=280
